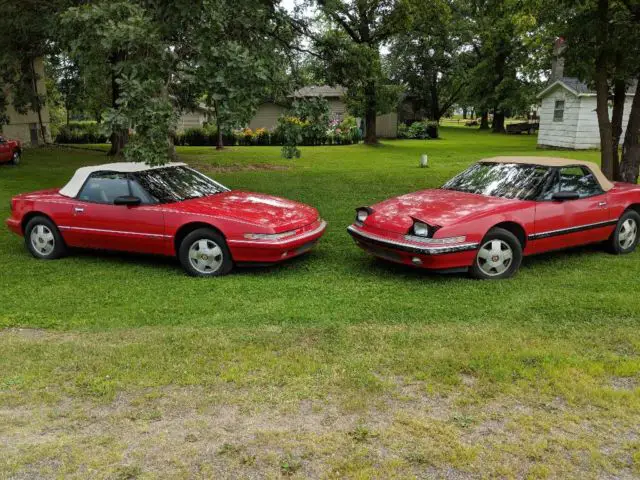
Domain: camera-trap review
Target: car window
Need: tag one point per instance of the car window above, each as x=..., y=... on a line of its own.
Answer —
x=506, y=180
x=141, y=193
x=573, y=179
x=104, y=187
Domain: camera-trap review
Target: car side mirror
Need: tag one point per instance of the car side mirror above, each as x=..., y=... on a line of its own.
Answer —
x=564, y=196
x=128, y=200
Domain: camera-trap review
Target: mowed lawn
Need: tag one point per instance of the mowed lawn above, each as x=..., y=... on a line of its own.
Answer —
x=334, y=365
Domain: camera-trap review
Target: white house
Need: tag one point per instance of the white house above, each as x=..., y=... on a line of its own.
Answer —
x=568, y=109
x=568, y=115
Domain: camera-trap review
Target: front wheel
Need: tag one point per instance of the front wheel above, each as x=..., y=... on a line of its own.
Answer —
x=625, y=237
x=204, y=253
x=43, y=239
x=15, y=158
x=499, y=256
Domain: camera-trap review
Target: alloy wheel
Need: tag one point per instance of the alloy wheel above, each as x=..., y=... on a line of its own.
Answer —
x=205, y=256
x=494, y=257
x=42, y=240
x=628, y=233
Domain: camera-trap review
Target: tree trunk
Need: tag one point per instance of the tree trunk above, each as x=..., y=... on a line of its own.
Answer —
x=370, y=114
x=619, y=97
x=34, y=79
x=602, y=90
x=464, y=113
x=630, y=165
x=435, y=104
x=484, y=122
x=498, y=122
x=219, y=140
x=119, y=139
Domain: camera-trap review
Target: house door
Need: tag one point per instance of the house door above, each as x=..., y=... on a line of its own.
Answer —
x=33, y=129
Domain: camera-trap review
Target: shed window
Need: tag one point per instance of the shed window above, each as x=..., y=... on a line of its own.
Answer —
x=558, y=111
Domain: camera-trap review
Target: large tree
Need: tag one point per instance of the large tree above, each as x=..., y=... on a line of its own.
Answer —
x=350, y=49
x=507, y=42
x=430, y=60
x=603, y=48
x=28, y=28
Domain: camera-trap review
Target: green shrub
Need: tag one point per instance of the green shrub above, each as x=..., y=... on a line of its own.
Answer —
x=81, y=132
x=290, y=129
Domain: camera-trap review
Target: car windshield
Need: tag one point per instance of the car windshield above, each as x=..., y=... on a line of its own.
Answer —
x=506, y=180
x=175, y=184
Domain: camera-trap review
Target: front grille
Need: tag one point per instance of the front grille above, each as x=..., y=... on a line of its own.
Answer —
x=381, y=252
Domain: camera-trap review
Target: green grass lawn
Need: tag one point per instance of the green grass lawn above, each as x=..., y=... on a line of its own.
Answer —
x=334, y=365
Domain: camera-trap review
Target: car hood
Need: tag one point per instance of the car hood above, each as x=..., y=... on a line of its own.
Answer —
x=278, y=214
x=436, y=207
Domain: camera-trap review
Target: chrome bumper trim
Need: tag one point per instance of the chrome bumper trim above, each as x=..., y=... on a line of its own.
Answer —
x=410, y=247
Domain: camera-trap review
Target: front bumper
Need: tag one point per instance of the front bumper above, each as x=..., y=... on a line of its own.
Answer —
x=14, y=225
x=273, y=251
x=439, y=257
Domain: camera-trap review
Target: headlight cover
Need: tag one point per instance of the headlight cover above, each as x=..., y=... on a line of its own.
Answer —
x=361, y=214
x=421, y=229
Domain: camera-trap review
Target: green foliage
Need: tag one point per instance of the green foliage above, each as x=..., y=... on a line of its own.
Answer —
x=290, y=130
x=314, y=113
x=418, y=130
x=81, y=132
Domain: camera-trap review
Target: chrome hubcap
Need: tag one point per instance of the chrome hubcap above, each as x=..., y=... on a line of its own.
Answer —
x=494, y=257
x=16, y=157
x=628, y=233
x=205, y=256
x=42, y=240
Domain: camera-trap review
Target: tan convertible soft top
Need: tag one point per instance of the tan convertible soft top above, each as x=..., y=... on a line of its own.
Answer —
x=557, y=162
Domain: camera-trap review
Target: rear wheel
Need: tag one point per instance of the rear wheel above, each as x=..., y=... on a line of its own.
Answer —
x=43, y=239
x=15, y=158
x=204, y=253
x=499, y=256
x=625, y=237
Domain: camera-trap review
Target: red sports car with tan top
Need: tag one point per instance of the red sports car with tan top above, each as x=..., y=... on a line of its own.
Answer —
x=168, y=210
x=487, y=218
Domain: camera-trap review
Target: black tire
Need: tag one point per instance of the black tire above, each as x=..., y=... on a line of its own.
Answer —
x=492, y=268
x=15, y=158
x=42, y=238
x=221, y=259
x=617, y=243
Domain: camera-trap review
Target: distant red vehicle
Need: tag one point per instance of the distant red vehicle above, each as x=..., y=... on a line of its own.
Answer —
x=10, y=151
x=491, y=215
x=169, y=210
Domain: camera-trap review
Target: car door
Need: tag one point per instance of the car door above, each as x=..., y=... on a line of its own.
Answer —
x=98, y=223
x=578, y=221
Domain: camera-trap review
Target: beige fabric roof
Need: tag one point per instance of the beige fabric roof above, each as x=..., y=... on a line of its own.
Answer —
x=557, y=162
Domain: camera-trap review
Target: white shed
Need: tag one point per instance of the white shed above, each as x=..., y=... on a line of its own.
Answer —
x=568, y=115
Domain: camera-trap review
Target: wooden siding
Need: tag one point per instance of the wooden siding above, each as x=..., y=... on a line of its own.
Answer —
x=387, y=125
x=559, y=134
x=20, y=125
x=190, y=120
x=266, y=116
x=579, y=128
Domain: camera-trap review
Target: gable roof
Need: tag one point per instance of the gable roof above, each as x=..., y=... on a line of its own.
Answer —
x=320, y=91
x=72, y=188
x=577, y=87
x=557, y=162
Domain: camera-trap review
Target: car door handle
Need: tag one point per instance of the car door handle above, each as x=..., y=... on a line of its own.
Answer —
x=78, y=210
x=602, y=204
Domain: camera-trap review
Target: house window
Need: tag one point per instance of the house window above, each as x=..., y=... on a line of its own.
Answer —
x=558, y=111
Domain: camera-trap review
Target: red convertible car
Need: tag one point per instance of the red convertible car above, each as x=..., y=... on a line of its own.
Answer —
x=168, y=210
x=10, y=151
x=488, y=217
